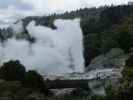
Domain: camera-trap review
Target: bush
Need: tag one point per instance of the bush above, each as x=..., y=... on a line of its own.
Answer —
x=35, y=81
x=128, y=69
x=129, y=62
x=124, y=89
x=95, y=97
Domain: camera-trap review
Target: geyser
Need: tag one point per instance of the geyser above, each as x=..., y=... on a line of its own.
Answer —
x=54, y=52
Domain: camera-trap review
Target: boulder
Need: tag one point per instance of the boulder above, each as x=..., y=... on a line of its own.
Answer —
x=113, y=59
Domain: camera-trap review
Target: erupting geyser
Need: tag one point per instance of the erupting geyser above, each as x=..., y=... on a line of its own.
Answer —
x=54, y=51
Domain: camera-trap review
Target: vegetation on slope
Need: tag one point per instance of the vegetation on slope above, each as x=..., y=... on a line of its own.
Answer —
x=14, y=76
x=103, y=28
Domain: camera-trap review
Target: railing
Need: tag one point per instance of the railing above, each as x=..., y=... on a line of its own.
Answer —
x=83, y=80
x=59, y=84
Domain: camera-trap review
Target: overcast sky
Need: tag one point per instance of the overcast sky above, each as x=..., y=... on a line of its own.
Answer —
x=10, y=10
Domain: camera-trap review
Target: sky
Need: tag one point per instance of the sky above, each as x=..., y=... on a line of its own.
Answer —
x=11, y=10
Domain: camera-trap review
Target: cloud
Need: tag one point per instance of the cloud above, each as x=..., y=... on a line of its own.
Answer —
x=11, y=10
x=97, y=3
x=10, y=15
x=18, y=4
x=47, y=6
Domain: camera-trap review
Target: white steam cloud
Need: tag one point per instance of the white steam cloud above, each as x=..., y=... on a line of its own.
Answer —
x=18, y=27
x=54, y=52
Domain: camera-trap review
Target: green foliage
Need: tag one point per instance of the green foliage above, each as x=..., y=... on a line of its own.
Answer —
x=111, y=93
x=35, y=80
x=80, y=92
x=91, y=46
x=69, y=98
x=12, y=71
x=113, y=29
x=129, y=61
x=95, y=97
x=89, y=25
x=113, y=15
x=128, y=69
x=124, y=89
x=12, y=90
x=128, y=74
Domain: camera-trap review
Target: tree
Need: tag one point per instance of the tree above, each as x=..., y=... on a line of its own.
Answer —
x=12, y=71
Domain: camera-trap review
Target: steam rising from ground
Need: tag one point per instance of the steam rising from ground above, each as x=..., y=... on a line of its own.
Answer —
x=54, y=52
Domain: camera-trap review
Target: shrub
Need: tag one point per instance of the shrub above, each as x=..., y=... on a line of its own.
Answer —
x=35, y=80
x=124, y=89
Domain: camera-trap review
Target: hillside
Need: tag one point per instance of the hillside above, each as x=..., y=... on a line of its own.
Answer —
x=103, y=28
x=108, y=47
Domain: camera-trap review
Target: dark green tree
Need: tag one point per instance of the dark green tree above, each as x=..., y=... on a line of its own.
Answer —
x=12, y=71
